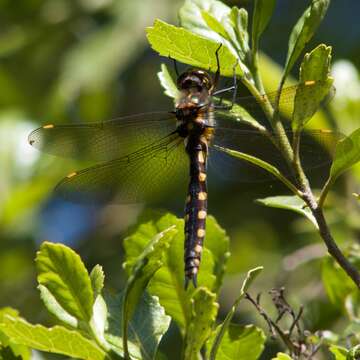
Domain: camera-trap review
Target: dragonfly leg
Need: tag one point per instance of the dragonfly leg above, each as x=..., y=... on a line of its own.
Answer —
x=232, y=88
x=234, y=85
x=221, y=91
x=217, y=74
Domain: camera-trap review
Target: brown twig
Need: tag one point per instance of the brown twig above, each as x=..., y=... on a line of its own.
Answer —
x=273, y=326
x=330, y=243
x=299, y=345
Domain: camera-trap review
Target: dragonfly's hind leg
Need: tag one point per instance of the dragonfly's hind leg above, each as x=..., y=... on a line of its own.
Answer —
x=217, y=74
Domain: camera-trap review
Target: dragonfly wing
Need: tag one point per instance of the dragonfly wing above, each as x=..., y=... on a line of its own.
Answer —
x=248, y=107
x=247, y=141
x=138, y=177
x=103, y=141
x=316, y=150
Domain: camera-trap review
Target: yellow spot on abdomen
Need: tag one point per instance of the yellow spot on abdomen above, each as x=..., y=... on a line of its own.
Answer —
x=202, y=176
x=310, y=82
x=201, y=157
x=198, y=249
x=202, y=195
x=201, y=233
x=49, y=126
x=202, y=214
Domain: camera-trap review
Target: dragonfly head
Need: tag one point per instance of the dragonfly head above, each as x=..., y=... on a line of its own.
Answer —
x=194, y=80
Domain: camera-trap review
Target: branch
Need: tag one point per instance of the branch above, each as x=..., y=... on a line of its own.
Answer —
x=332, y=247
x=274, y=327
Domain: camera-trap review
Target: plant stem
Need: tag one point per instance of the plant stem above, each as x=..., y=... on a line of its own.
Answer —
x=325, y=191
x=330, y=243
x=255, y=69
x=271, y=114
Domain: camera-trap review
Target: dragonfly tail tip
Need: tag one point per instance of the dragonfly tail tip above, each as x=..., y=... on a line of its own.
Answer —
x=193, y=279
x=186, y=283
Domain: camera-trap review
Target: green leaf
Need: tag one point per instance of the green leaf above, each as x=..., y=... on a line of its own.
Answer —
x=55, y=308
x=263, y=10
x=260, y=163
x=204, y=309
x=214, y=24
x=238, y=18
x=221, y=329
x=168, y=282
x=292, y=203
x=8, y=348
x=219, y=244
x=98, y=322
x=354, y=353
x=63, y=273
x=167, y=82
x=147, y=326
x=352, y=305
x=189, y=48
x=337, y=283
x=339, y=352
x=240, y=342
x=303, y=31
x=192, y=18
x=347, y=154
x=315, y=85
x=282, y=356
x=57, y=339
x=97, y=278
x=150, y=261
x=217, y=22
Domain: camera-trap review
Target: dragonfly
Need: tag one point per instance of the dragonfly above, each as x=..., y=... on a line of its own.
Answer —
x=137, y=155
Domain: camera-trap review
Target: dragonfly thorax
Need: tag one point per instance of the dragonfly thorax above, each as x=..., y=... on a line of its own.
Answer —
x=194, y=120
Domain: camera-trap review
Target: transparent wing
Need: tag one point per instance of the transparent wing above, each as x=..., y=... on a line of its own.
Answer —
x=103, y=141
x=140, y=176
x=316, y=150
x=246, y=105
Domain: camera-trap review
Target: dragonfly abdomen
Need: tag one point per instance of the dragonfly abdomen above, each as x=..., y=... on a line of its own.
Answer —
x=196, y=207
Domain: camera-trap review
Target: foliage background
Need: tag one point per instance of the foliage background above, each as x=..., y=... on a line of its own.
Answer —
x=68, y=61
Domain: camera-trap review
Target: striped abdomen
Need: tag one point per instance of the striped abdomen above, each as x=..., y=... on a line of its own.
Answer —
x=196, y=206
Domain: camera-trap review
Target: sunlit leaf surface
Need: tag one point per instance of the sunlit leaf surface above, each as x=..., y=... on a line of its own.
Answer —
x=63, y=273
x=57, y=339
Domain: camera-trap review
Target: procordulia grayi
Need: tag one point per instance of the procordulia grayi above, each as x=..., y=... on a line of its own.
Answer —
x=137, y=155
